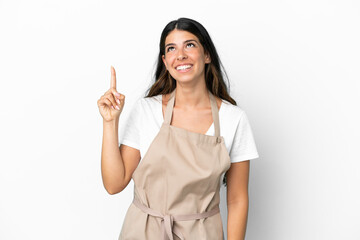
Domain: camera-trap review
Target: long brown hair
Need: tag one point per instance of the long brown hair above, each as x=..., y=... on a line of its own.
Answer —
x=164, y=83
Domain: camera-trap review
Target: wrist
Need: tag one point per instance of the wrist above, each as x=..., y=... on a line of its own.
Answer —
x=111, y=123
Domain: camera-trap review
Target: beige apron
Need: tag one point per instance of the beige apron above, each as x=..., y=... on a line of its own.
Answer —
x=177, y=183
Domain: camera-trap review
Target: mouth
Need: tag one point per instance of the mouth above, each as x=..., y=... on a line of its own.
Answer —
x=184, y=68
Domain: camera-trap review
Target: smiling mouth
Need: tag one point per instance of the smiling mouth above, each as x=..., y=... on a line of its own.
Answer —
x=184, y=68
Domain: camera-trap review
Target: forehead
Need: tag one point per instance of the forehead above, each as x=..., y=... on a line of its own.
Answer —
x=179, y=36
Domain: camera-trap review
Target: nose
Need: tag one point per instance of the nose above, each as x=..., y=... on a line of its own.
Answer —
x=181, y=55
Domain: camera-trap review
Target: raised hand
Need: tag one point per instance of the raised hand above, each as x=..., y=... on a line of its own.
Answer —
x=111, y=103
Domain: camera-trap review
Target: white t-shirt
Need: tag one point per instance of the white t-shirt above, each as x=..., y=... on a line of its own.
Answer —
x=146, y=118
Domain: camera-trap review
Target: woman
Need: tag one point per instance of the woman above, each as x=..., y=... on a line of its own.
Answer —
x=176, y=182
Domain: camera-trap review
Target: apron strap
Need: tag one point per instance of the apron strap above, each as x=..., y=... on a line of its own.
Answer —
x=169, y=108
x=215, y=114
x=214, y=110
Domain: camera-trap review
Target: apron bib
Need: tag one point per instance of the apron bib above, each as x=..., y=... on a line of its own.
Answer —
x=177, y=184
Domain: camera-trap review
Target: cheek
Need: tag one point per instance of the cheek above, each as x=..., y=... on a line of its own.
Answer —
x=197, y=55
x=169, y=59
x=166, y=62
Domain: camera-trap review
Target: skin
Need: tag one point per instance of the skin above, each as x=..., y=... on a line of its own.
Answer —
x=192, y=111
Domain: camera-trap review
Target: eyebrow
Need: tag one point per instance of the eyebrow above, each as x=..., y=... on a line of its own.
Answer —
x=183, y=42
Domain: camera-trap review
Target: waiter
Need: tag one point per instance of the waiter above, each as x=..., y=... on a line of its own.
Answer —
x=177, y=177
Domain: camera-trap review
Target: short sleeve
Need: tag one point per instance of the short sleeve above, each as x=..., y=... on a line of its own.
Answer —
x=243, y=147
x=130, y=131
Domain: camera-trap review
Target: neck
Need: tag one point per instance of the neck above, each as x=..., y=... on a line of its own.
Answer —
x=191, y=97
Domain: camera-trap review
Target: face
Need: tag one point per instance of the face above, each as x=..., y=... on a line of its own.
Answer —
x=183, y=48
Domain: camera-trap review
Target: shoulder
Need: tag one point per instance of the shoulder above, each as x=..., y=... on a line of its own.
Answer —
x=150, y=101
x=148, y=106
x=147, y=101
x=230, y=111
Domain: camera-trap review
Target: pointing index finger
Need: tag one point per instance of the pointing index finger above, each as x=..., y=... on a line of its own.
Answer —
x=113, y=78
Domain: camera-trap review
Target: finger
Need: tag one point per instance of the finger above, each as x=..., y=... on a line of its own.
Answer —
x=111, y=98
x=104, y=102
x=116, y=95
x=113, y=78
x=109, y=103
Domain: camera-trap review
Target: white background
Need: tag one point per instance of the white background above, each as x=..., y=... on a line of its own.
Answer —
x=294, y=69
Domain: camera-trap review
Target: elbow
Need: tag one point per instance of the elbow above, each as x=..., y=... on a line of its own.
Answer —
x=240, y=199
x=114, y=186
x=112, y=190
x=243, y=201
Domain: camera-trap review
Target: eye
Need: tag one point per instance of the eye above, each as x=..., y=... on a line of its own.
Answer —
x=169, y=48
x=190, y=44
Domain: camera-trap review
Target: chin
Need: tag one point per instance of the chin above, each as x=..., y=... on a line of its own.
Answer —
x=184, y=79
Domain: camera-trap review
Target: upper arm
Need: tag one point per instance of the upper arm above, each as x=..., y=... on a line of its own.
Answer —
x=131, y=158
x=237, y=180
x=130, y=141
x=243, y=146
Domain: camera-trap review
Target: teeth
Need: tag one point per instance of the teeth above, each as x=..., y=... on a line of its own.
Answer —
x=183, y=67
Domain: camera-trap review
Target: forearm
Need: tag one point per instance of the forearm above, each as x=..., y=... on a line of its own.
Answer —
x=112, y=166
x=237, y=219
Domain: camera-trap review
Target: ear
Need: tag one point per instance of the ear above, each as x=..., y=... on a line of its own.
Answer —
x=163, y=59
x=207, y=58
